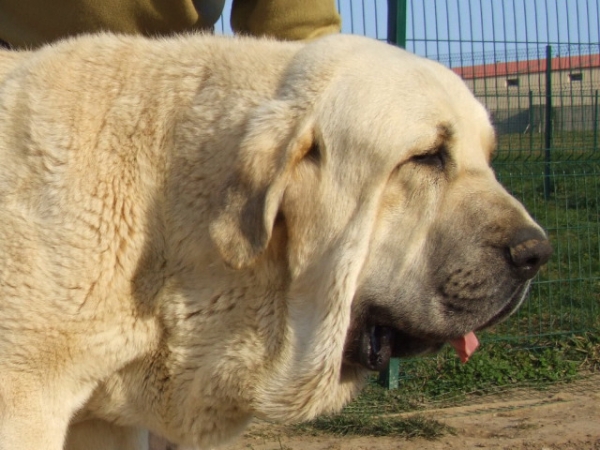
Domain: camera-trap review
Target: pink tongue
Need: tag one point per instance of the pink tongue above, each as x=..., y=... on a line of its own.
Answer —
x=465, y=346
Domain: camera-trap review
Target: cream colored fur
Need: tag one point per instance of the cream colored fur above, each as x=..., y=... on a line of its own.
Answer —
x=187, y=223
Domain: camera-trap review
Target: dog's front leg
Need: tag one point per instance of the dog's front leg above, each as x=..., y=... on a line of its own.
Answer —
x=29, y=422
x=35, y=415
x=26, y=431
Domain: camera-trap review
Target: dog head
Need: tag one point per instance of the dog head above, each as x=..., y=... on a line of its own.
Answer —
x=399, y=237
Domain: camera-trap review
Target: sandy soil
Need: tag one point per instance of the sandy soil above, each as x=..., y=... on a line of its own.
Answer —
x=565, y=417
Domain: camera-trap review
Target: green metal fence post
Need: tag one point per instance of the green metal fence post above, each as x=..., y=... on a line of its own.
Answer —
x=595, y=125
x=531, y=119
x=389, y=378
x=397, y=14
x=548, y=130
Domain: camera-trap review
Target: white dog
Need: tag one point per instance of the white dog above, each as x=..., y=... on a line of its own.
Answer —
x=200, y=230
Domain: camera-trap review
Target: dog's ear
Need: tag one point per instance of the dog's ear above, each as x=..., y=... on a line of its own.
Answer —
x=243, y=219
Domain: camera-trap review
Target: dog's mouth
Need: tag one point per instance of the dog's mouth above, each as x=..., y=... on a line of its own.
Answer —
x=377, y=344
x=372, y=344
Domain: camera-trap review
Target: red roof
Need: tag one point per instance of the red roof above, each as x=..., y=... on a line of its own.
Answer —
x=529, y=66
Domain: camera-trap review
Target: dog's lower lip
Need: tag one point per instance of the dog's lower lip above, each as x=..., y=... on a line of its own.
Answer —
x=515, y=300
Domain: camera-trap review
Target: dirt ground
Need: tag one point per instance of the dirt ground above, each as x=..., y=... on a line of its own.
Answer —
x=564, y=417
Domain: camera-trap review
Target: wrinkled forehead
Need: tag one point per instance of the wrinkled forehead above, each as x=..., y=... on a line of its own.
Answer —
x=398, y=101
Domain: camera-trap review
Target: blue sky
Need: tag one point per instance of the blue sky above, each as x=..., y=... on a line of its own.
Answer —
x=500, y=25
x=500, y=28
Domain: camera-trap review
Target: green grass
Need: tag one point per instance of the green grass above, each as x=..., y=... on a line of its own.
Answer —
x=566, y=146
x=501, y=364
x=370, y=425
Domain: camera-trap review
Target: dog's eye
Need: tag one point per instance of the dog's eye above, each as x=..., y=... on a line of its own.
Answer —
x=435, y=158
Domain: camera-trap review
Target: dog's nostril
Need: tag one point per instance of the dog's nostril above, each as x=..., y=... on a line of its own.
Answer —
x=529, y=250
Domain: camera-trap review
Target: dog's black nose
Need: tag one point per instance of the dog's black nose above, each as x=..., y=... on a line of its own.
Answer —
x=529, y=249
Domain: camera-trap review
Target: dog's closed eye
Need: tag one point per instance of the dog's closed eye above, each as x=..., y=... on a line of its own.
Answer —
x=435, y=158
